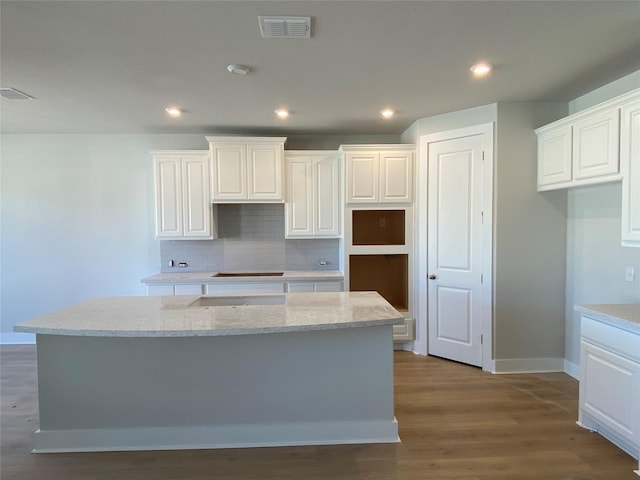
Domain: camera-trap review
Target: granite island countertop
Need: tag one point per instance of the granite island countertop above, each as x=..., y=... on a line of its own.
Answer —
x=626, y=316
x=181, y=316
x=210, y=277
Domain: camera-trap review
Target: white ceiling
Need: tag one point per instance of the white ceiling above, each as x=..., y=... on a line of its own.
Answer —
x=112, y=67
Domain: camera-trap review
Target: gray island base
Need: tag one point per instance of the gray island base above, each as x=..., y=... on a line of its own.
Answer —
x=322, y=374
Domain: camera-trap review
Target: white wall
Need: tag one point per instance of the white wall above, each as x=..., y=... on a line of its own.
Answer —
x=77, y=218
x=596, y=261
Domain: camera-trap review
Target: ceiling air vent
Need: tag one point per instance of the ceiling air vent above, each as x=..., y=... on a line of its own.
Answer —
x=285, y=27
x=13, y=94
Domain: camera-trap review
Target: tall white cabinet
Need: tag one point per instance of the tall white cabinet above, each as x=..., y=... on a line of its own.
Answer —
x=313, y=206
x=247, y=169
x=183, y=205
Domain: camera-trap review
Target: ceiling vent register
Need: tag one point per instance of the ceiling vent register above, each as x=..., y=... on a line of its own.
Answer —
x=13, y=94
x=285, y=27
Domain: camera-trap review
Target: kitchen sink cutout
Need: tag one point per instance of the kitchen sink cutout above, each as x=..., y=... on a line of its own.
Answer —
x=239, y=300
x=248, y=274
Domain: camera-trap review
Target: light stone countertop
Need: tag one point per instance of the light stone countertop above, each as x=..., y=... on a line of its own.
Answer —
x=626, y=316
x=175, y=316
x=209, y=277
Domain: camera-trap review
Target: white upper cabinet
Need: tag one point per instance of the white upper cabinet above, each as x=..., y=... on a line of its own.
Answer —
x=247, y=169
x=183, y=205
x=630, y=167
x=379, y=173
x=595, y=145
x=583, y=148
x=313, y=194
x=554, y=156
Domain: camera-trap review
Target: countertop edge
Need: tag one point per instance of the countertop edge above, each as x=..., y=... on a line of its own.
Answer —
x=204, y=333
x=596, y=311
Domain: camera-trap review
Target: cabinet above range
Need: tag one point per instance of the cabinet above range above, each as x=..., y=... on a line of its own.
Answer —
x=247, y=169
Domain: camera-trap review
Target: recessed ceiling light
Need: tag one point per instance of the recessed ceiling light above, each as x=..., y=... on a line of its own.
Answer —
x=173, y=111
x=387, y=113
x=481, y=69
x=282, y=113
x=238, y=69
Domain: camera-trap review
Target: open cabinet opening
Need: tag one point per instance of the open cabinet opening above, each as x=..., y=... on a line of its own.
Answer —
x=378, y=227
x=386, y=274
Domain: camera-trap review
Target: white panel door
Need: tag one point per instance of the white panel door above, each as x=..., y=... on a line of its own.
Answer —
x=299, y=218
x=396, y=177
x=595, y=145
x=327, y=196
x=264, y=172
x=168, y=196
x=554, y=156
x=196, y=198
x=455, y=249
x=363, y=177
x=229, y=172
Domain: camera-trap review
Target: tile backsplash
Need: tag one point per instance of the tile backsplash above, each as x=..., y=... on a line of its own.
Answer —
x=250, y=238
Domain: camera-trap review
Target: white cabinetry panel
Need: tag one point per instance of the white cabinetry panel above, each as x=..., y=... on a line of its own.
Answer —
x=379, y=173
x=595, y=145
x=630, y=167
x=554, y=156
x=183, y=208
x=313, y=195
x=247, y=169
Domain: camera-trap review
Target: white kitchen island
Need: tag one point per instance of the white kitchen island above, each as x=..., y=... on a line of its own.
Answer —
x=142, y=373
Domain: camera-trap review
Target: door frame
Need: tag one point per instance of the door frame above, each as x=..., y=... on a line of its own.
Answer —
x=422, y=311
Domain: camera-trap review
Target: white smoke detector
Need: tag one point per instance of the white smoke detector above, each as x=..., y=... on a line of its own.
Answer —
x=285, y=27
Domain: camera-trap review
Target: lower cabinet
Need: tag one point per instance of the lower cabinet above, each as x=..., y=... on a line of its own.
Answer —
x=253, y=287
x=177, y=289
x=610, y=383
x=327, y=286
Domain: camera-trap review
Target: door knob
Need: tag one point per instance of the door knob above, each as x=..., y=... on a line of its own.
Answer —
x=432, y=277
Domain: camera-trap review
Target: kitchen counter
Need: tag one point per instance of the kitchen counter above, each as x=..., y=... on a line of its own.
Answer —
x=209, y=277
x=626, y=316
x=158, y=373
x=181, y=316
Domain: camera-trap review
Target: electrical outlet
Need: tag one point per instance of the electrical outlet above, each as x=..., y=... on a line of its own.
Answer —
x=629, y=274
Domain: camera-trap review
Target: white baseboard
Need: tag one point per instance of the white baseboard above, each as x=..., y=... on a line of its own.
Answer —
x=572, y=369
x=15, y=338
x=223, y=436
x=529, y=365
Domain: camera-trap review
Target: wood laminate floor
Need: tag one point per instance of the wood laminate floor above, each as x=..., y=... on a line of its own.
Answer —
x=456, y=422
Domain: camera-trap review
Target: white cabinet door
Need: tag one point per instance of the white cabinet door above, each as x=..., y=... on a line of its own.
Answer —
x=595, y=145
x=313, y=195
x=379, y=173
x=610, y=390
x=264, y=172
x=183, y=204
x=168, y=173
x=396, y=177
x=188, y=289
x=299, y=212
x=229, y=171
x=159, y=290
x=326, y=196
x=363, y=177
x=554, y=157
x=196, y=201
x=630, y=167
x=247, y=169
